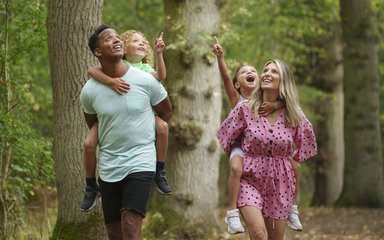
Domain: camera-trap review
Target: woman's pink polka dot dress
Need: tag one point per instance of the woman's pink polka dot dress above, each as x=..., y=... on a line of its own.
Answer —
x=267, y=182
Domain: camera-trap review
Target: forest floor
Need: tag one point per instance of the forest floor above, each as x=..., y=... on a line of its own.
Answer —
x=319, y=223
x=333, y=224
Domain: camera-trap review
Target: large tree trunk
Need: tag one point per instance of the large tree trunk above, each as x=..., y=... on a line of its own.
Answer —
x=70, y=23
x=194, y=86
x=328, y=77
x=363, y=180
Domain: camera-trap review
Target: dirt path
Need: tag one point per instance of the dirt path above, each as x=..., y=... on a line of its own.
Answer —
x=318, y=223
x=334, y=224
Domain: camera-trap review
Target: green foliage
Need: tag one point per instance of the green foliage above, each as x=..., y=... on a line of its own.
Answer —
x=145, y=16
x=310, y=98
x=28, y=60
x=26, y=104
x=256, y=31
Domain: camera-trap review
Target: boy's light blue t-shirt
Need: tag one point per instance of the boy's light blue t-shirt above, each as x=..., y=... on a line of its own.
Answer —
x=142, y=66
x=126, y=123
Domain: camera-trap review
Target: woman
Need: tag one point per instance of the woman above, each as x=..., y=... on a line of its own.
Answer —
x=267, y=184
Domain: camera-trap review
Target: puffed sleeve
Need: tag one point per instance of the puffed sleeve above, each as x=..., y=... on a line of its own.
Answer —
x=232, y=127
x=305, y=141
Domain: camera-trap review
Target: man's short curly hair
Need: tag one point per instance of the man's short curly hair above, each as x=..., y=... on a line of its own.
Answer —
x=94, y=38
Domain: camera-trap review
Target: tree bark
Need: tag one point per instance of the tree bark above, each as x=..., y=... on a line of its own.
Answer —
x=328, y=77
x=69, y=24
x=5, y=148
x=194, y=86
x=363, y=179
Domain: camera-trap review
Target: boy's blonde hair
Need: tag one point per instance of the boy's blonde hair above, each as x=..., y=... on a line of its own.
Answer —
x=126, y=38
x=287, y=94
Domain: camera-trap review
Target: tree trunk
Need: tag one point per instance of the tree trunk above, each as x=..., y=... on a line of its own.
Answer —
x=5, y=148
x=363, y=179
x=194, y=86
x=5, y=160
x=328, y=77
x=69, y=24
x=3, y=219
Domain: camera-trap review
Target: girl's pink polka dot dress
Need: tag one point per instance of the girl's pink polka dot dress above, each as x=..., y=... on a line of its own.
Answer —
x=267, y=182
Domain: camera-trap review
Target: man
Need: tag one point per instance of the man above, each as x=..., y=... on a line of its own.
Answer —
x=127, y=158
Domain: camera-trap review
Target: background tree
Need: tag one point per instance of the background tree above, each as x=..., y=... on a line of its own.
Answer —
x=327, y=77
x=69, y=25
x=194, y=86
x=363, y=184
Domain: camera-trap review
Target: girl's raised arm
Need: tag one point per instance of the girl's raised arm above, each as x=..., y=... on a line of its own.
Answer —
x=161, y=71
x=232, y=94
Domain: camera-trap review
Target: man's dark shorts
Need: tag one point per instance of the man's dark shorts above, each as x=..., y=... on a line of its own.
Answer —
x=131, y=193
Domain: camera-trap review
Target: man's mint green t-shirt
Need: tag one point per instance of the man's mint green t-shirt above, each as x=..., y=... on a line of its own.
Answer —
x=142, y=66
x=126, y=123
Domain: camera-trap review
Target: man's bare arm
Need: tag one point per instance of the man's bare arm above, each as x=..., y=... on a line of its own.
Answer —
x=90, y=119
x=164, y=109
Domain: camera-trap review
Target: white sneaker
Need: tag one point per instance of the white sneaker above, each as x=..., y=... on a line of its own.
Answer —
x=293, y=219
x=233, y=221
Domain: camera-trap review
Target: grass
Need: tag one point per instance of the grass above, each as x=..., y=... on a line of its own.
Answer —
x=39, y=218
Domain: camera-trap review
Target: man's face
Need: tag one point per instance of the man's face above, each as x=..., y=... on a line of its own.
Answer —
x=110, y=44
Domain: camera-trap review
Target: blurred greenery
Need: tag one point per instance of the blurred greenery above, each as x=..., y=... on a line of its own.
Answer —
x=25, y=106
x=141, y=15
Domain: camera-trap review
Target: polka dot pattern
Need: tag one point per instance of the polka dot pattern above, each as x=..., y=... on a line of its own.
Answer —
x=267, y=182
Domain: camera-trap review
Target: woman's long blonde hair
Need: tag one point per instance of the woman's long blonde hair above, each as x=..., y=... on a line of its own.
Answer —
x=126, y=38
x=287, y=94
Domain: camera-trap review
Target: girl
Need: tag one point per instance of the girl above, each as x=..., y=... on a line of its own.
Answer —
x=238, y=89
x=137, y=53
